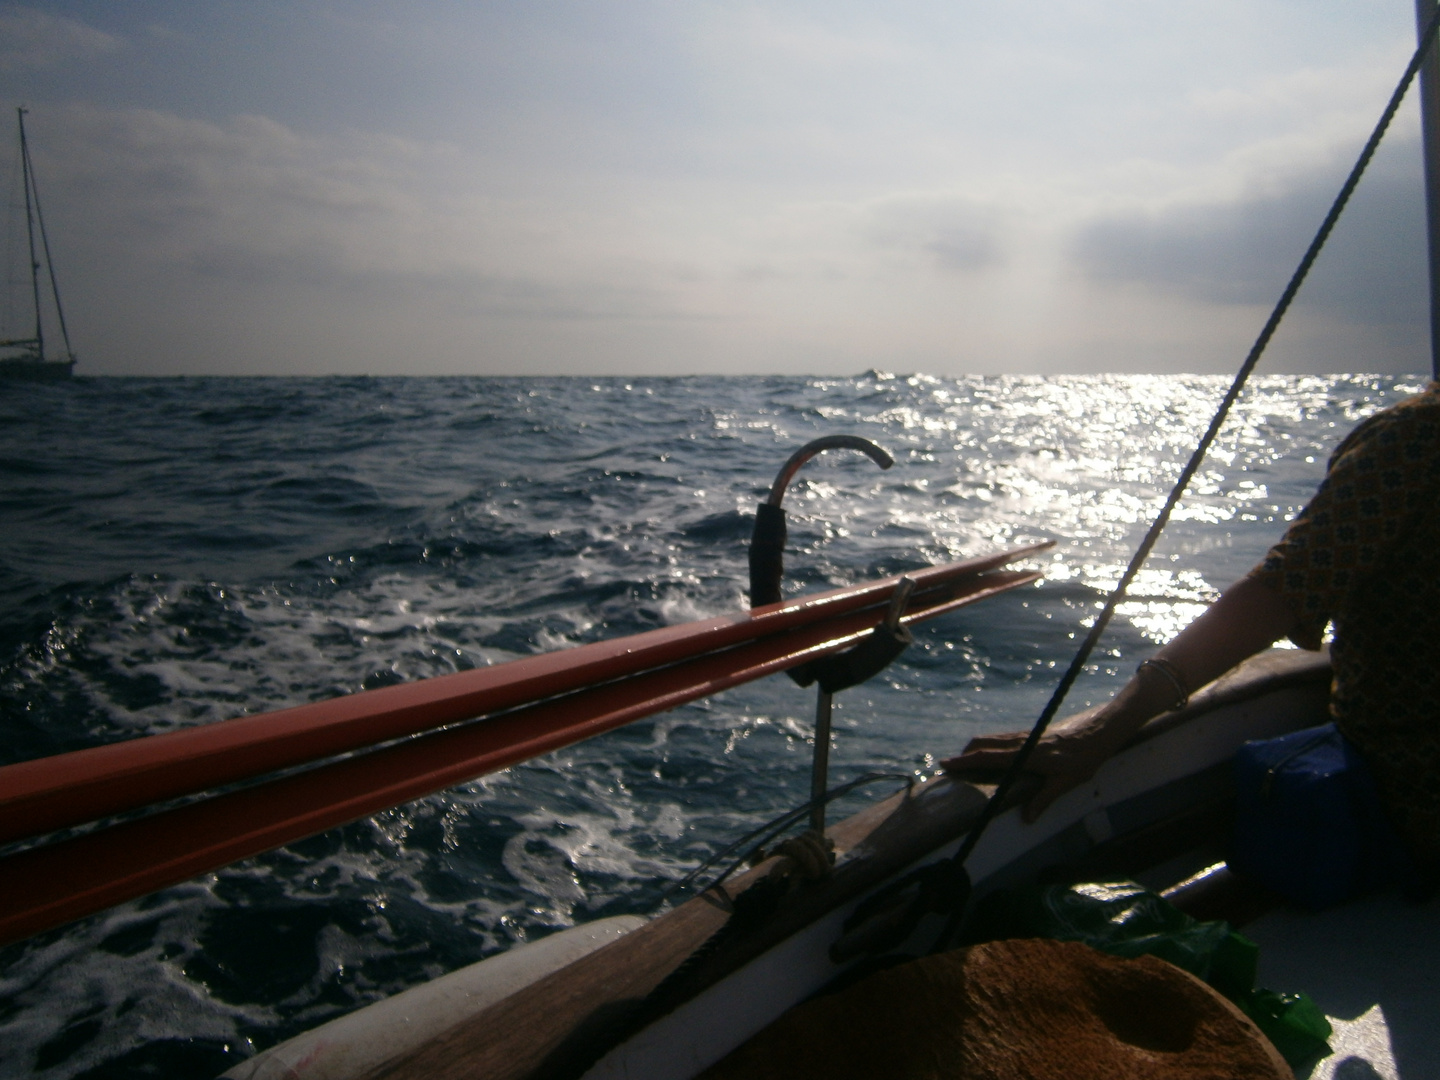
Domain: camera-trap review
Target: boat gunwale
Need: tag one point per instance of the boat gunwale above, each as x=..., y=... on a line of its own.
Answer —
x=581, y=1005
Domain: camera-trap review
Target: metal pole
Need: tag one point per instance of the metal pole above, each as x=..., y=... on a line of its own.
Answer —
x=1430, y=124
x=30, y=234
x=45, y=246
x=820, y=765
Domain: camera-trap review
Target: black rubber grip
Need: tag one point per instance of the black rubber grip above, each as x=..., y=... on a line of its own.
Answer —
x=767, y=555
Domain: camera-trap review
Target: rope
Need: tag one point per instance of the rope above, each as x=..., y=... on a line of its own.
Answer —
x=756, y=839
x=1012, y=775
x=749, y=911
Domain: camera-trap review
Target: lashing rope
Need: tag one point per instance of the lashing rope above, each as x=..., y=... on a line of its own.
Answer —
x=755, y=840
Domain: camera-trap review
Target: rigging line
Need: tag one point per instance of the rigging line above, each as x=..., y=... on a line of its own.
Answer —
x=49, y=262
x=772, y=828
x=30, y=235
x=1012, y=775
x=9, y=314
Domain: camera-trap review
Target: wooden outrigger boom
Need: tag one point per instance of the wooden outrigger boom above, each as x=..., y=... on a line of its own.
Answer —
x=407, y=741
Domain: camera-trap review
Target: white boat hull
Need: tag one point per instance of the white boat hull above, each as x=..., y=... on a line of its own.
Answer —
x=560, y=1022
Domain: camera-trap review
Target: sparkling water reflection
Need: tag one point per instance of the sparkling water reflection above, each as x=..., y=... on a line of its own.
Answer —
x=180, y=551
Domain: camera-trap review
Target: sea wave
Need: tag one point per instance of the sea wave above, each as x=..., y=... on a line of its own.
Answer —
x=177, y=552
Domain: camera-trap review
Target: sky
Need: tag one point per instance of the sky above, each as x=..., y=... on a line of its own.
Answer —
x=636, y=187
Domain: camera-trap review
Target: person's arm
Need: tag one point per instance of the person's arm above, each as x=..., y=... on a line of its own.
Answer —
x=1292, y=593
x=1248, y=617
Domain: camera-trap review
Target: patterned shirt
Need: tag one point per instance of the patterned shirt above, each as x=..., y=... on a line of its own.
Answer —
x=1364, y=555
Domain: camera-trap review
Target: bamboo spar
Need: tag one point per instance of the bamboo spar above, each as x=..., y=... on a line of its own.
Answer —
x=614, y=683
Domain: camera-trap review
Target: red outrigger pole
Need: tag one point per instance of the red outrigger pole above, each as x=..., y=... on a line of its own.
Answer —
x=529, y=707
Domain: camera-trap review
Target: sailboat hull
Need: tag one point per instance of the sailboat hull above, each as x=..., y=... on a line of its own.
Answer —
x=27, y=370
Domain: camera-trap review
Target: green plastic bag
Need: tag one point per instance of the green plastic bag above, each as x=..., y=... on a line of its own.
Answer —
x=1292, y=1022
x=1126, y=919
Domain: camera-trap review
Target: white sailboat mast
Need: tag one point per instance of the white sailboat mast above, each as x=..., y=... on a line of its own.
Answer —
x=27, y=182
x=34, y=217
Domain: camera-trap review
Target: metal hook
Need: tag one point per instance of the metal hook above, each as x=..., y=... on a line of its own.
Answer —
x=816, y=446
x=767, y=542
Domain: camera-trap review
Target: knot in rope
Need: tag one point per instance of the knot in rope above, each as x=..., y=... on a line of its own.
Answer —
x=809, y=855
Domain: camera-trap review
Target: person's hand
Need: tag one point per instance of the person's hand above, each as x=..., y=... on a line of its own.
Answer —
x=1065, y=757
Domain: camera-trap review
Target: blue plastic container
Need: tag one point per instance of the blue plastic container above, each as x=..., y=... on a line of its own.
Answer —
x=1309, y=823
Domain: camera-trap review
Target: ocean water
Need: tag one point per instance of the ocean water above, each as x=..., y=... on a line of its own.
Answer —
x=179, y=551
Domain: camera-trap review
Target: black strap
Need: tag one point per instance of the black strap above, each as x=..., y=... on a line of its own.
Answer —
x=767, y=554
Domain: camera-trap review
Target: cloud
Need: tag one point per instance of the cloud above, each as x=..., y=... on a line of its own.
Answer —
x=798, y=44
x=243, y=243
x=197, y=193
x=949, y=232
x=31, y=39
x=1242, y=249
x=254, y=237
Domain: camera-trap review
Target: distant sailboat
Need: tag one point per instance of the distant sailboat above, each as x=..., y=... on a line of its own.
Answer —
x=24, y=357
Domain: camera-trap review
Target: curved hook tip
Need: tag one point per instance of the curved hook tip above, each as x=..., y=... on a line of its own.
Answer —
x=816, y=446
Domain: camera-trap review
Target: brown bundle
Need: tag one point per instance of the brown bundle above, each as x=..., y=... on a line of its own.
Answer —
x=1013, y=1010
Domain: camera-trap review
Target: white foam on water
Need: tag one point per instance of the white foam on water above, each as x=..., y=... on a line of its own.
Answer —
x=500, y=519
